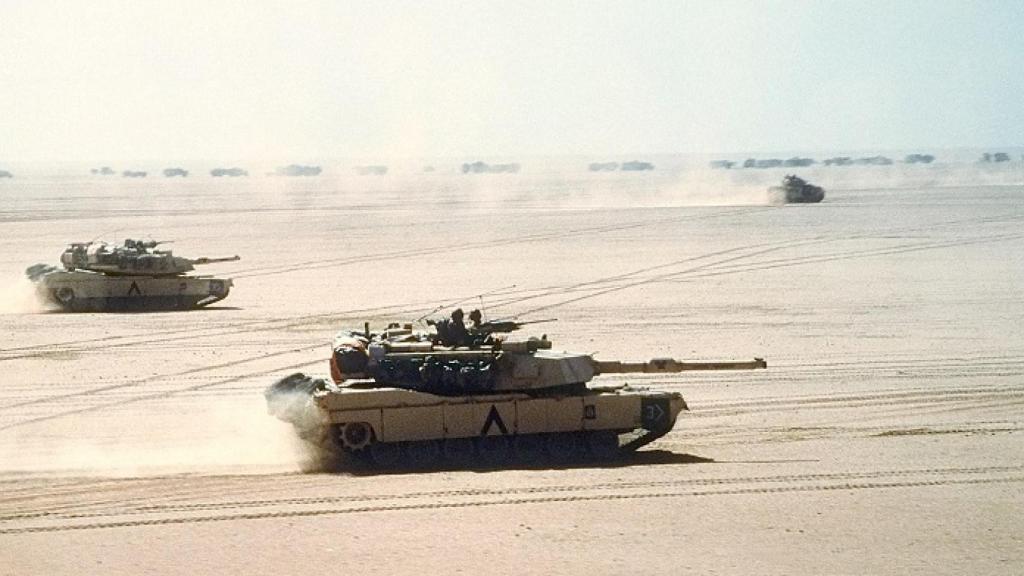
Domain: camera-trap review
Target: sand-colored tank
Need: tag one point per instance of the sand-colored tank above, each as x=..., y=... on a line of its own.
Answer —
x=406, y=397
x=134, y=276
x=796, y=190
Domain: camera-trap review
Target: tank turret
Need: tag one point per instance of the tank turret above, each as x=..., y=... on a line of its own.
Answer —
x=456, y=360
x=456, y=393
x=134, y=257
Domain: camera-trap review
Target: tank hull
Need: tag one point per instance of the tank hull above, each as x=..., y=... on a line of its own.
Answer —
x=394, y=426
x=79, y=291
x=804, y=194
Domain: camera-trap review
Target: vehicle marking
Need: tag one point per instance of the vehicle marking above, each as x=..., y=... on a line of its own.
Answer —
x=494, y=418
x=134, y=288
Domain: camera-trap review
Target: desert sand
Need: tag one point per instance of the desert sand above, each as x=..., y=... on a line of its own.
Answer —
x=884, y=438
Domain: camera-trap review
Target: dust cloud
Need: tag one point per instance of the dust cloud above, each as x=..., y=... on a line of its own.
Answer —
x=223, y=436
x=18, y=296
x=718, y=188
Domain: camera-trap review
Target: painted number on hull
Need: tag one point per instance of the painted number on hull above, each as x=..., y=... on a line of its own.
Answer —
x=494, y=419
x=654, y=413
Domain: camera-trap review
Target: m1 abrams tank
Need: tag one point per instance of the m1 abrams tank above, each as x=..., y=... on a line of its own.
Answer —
x=474, y=396
x=135, y=276
x=796, y=190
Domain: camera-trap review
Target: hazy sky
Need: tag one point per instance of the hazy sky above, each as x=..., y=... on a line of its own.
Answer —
x=106, y=80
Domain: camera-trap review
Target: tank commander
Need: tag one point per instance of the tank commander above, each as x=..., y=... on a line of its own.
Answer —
x=478, y=333
x=452, y=332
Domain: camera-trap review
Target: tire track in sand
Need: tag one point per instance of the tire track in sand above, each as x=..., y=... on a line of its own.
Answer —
x=447, y=499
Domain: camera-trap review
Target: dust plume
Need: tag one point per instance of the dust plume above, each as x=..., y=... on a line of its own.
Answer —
x=18, y=296
x=232, y=435
x=703, y=187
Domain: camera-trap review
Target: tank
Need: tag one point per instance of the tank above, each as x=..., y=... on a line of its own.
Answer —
x=795, y=190
x=475, y=395
x=98, y=277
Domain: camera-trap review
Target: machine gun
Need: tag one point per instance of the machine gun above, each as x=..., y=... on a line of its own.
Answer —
x=503, y=326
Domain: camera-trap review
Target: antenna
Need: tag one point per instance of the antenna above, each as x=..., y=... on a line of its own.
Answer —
x=106, y=234
x=461, y=300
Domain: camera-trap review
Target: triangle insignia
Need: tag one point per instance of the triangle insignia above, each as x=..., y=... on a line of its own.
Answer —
x=493, y=417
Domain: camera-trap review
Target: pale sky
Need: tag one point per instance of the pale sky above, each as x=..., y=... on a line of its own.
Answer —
x=179, y=80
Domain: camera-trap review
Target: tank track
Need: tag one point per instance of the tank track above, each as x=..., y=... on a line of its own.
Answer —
x=486, y=451
x=494, y=451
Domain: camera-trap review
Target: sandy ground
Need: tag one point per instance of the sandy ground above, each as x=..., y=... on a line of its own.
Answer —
x=885, y=437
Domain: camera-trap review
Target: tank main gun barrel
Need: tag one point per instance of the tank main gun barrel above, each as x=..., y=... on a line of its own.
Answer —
x=205, y=260
x=667, y=365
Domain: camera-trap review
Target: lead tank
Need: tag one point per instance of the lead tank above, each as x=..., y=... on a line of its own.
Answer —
x=472, y=395
x=99, y=277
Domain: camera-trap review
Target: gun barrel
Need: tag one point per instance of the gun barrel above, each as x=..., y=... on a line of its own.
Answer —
x=666, y=365
x=215, y=260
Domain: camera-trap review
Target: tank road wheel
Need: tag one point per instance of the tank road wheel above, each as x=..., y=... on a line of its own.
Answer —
x=528, y=448
x=386, y=454
x=356, y=436
x=423, y=453
x=565, y=447
x=493, y=449
x=603, y=444
x=458, y=450
x=65, y=295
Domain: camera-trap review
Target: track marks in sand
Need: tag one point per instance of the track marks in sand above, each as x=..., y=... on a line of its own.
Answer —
x=734, y=260
x=128, y=513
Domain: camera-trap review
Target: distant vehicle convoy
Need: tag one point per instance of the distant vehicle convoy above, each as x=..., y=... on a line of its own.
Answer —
x=480, y=167
x=834, y=161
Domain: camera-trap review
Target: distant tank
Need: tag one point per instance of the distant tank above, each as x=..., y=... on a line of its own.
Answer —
x=485, y=168
x=229, y=172
x=636, y=166
x=795, y=190
x=135, y=276
x=298, y=170
x=472, y=395
x=377, y=170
